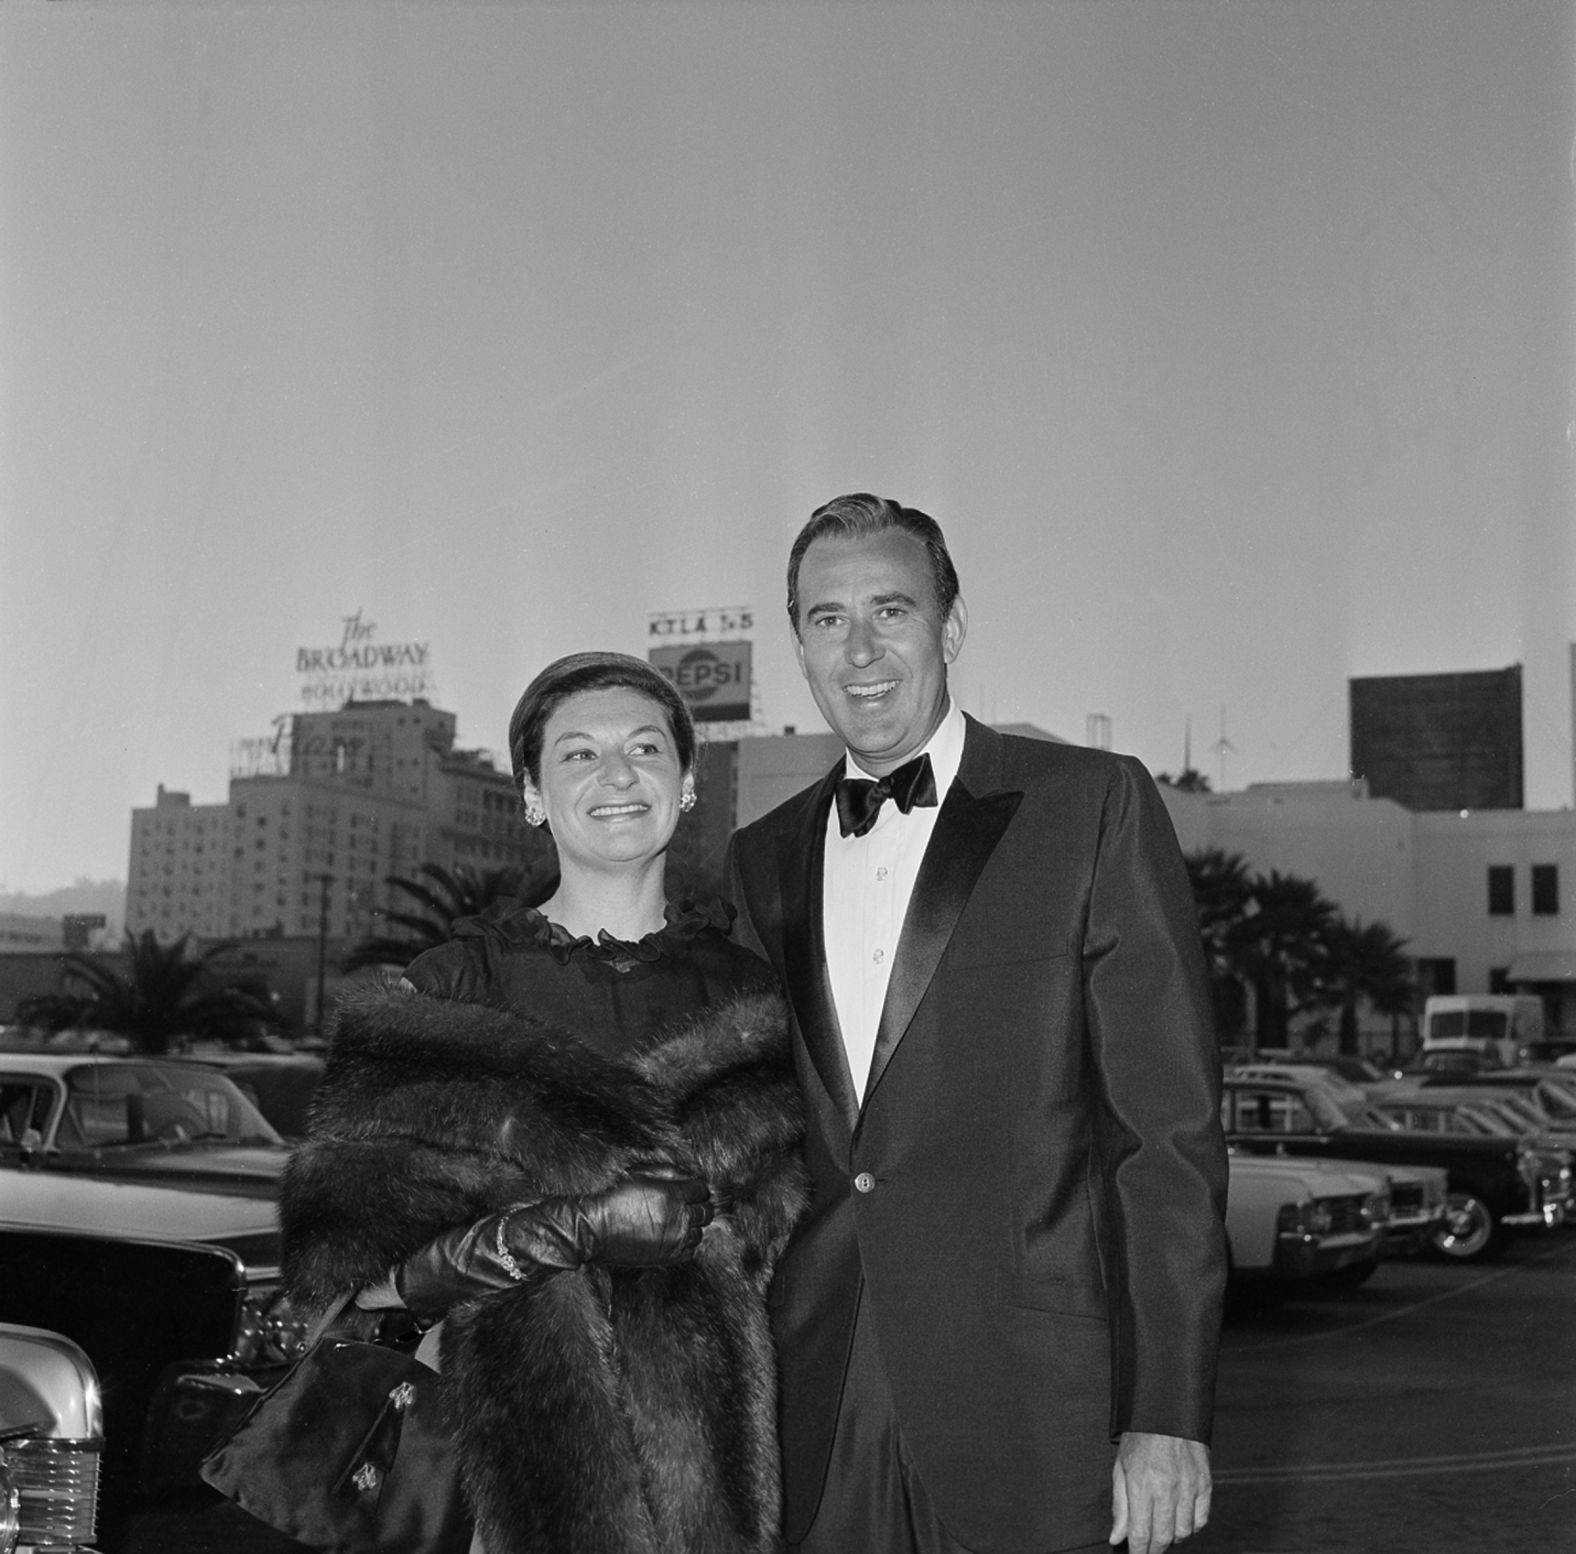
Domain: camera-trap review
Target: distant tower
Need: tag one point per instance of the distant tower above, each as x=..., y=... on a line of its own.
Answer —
x=1097, y=731
x=1222, y=747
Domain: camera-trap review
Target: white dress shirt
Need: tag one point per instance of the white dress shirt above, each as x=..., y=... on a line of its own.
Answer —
x=867, y=883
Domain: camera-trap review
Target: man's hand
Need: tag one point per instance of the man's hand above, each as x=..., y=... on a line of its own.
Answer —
x=1159, y=1491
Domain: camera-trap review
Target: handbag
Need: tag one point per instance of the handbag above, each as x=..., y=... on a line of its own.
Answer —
x=349, y=1452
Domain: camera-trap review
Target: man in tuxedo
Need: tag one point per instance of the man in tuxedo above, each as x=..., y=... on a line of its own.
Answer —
x=998, y=1324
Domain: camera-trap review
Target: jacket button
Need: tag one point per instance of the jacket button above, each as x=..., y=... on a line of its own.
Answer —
x=864, y=1182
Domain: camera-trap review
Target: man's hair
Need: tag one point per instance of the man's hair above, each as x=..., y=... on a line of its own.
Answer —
x=567, y=677
x=860, y=516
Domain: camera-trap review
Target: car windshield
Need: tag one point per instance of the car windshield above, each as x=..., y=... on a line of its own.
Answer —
x=1366, y=1116
x=1520, y=1109
x=1558, y=1102
x=1490, y=1120
x=1491, y=1024
x=111, y=1105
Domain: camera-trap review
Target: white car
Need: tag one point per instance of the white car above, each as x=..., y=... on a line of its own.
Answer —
x=1296, y=1222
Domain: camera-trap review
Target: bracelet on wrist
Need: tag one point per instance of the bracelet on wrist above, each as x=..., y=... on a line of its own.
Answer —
x=505, y=1256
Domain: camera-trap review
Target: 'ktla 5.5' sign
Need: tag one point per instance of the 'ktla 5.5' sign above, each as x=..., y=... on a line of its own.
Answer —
x=712, y=677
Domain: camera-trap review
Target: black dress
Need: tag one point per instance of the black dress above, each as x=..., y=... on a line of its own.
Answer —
x=614, y=996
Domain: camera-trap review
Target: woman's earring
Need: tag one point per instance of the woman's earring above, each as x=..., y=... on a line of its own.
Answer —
x=535, y=815
x=687, y=800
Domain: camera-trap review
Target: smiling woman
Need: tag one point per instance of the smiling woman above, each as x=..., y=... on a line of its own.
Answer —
x=570, y=1119
x=603, y=749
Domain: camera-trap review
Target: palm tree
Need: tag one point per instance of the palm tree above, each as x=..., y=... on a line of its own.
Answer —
x=1287, y=956
x=442, y=898
x=1222, y=893
x=165, y=998
x=1369, y=962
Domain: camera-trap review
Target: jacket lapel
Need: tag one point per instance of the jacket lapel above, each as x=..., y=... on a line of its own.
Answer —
x=974, y=814
x=802, y=871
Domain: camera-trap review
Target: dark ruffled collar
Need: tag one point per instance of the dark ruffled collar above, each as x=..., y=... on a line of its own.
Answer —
x=510, y=924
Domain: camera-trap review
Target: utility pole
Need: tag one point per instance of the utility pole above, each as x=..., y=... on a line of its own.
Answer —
x=324, y=881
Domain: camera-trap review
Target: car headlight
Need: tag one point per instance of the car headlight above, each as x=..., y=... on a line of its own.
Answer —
x=1376, y=1209
x=1304, y=1219
x=271, y=1330
x=1291, y=1220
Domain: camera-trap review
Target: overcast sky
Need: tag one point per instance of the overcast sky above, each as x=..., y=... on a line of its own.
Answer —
x=1231, y=344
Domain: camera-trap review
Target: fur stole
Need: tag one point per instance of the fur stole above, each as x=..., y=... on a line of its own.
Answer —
x=628, y=1411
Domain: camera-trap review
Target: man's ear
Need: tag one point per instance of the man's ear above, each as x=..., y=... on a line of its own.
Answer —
x=955, y=629
x=798, y=653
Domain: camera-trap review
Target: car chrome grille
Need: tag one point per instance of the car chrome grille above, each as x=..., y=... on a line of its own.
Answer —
x=1406, y=1197
x=1346, y=1216
x=57, y=1484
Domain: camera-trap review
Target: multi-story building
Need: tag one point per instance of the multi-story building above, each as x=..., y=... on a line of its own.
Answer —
x=1440, y=741
x=305, y=848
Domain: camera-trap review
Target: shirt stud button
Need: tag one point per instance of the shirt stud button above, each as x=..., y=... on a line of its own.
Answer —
x=864, y=1182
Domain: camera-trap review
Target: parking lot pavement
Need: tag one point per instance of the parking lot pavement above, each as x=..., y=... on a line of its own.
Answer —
x=1432, y=1411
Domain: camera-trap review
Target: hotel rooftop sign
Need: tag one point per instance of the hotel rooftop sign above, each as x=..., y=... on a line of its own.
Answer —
x=358, y=668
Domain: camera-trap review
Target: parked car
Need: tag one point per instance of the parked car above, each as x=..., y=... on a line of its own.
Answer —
x=279, y=1084
x=1495, y=1185
x=1291, y=1224
x=1359, y=1070
x=1518, y=1112
x=1418, y=1195
x=134, y=1119
x=51, y=1440
x=1550, y=1100
x=1448, y=1060
x=1344, y=1090
x=1441, y=1111
x=137, y=1217
x=1553, y=1050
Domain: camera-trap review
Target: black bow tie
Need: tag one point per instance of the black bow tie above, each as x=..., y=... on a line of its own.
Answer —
x=859, y=800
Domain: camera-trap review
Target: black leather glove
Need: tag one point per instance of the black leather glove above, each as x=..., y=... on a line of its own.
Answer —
x=647, y=1220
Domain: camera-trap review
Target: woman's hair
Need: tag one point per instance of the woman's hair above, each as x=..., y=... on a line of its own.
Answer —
x=566, y=677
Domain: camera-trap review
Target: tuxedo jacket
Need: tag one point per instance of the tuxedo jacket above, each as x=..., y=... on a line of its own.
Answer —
x=1030, y=1197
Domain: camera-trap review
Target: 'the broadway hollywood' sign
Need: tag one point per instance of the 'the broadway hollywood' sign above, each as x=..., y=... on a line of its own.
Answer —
x=712, y=677
x=359, y=669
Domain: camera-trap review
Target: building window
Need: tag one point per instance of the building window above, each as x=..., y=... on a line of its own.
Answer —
x=1436, y=974
x=1501, y=890
x=1546, y=890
